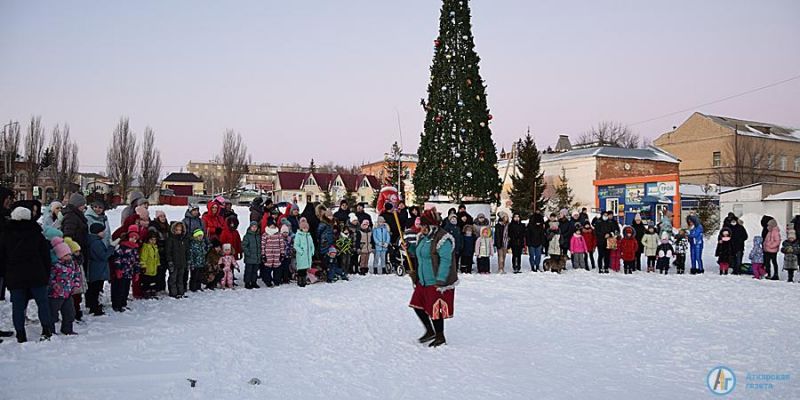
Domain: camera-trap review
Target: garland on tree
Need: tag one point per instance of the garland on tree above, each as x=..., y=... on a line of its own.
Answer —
x=457, y=156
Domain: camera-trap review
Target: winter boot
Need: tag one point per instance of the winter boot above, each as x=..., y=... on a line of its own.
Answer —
x=46, y=334
x=6, y=333
x=438, y=340
x=22, y=337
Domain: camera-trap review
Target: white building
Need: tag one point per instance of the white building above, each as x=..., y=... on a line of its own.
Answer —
x=750, y=203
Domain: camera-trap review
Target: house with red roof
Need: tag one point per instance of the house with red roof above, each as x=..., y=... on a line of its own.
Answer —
x=303, y=187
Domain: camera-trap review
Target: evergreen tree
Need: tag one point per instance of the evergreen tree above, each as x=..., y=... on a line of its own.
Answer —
x=327, y=200
x=350, y=197
x=312, y=167
x=564, y=197
x=527, y=194
x=457, y=156
x=391, y=170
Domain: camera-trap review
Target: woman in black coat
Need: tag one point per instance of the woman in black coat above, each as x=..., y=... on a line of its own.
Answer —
x=25, y=262
x=516, y=240
x=639, y=229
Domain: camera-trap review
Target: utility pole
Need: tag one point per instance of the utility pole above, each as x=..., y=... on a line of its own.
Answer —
x=8, y=159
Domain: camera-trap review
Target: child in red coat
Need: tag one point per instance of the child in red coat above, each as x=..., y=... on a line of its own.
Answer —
x=591, y=242
x=628, y=247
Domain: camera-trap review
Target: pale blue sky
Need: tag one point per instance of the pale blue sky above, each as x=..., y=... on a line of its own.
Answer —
x=322, y=79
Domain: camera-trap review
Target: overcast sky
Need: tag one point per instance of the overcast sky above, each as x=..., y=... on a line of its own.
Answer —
x=322, y=79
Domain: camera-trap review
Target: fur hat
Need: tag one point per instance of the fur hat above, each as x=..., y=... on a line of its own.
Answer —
x=77, y=200
x=96, y=228
x=429, y=217
x=73, y=245
x=21, y=214
x=197, y=233
x=141, y=211
x=60, y=248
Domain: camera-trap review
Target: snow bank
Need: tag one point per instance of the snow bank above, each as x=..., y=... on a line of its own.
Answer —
x=575, y=335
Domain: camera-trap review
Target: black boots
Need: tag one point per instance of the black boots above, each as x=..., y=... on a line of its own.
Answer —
x=22, y=337
x=426, y=322
x=6, y=334
x=438, y=326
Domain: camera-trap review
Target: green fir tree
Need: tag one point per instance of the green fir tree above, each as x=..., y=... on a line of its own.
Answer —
x=527, y=194
x=391, y=169
x=457, y=156
x=564, y=199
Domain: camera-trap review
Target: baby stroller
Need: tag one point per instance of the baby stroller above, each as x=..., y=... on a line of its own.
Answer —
x=396, y=260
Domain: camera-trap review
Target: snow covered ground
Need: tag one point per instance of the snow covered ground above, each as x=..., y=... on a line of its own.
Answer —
x=569, y=336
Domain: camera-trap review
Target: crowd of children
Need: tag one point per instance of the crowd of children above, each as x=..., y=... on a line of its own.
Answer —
x=145, y=257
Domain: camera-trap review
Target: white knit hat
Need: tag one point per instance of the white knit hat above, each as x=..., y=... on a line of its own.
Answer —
x=21, y=214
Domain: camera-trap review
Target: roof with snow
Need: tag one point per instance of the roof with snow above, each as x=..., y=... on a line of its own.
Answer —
x=757, y=129
x=649, y=153
x=183, y=177
x=790, y=195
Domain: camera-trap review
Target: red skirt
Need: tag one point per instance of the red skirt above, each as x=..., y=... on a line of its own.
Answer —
x=438, y=305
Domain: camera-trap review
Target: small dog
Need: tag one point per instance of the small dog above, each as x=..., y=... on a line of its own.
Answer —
x=556, y=266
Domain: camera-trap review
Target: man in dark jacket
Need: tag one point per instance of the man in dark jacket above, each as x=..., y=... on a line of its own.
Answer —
x=25, y=261
x=74, y=224
x=341, y=214
x=536, y=239
x=606, y=227
x=463, y=216
x=256, y=210
x=738, y=239
x=362, y=215
x=394, y=229
x=6, y=197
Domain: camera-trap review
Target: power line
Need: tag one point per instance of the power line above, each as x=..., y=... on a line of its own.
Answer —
x=719, y=100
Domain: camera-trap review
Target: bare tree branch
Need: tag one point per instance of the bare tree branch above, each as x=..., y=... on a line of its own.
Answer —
x=611, y=133
x=234, y=160
x=749, y=163
x=122, y=157
x=34, y=150
x=9, y=150
x=65, y=159
x=151, y=163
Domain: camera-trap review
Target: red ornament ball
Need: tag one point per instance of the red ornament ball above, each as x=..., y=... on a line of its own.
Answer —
x=438, y=119
x=490, y=117
x=437, y=43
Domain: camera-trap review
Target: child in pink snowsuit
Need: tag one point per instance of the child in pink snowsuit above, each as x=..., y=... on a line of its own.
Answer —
x=228, y=263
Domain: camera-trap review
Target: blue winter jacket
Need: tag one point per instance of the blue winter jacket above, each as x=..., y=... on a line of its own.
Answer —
x=381, y=237
x=325, y=237
x=696, y=233
x=99, y=253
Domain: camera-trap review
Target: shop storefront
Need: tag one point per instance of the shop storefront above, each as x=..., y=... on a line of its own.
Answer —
x=649, y=196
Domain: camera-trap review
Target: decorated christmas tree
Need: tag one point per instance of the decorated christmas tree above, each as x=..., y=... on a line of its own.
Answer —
x=457, y=157
x=527, y=193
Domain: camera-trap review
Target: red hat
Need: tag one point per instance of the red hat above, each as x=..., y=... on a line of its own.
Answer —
x=429, y=217
x=133, y=229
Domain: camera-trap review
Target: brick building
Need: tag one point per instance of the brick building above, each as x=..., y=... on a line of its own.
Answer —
x=627, y=181
x=733, y=152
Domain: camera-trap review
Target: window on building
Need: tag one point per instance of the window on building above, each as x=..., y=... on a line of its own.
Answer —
x=716, y=159
x=771, y=161
x=364, y=183
x=310, y=181
x=316, y=197
x=784, y=163
x=362, y=199
x=797, y=164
